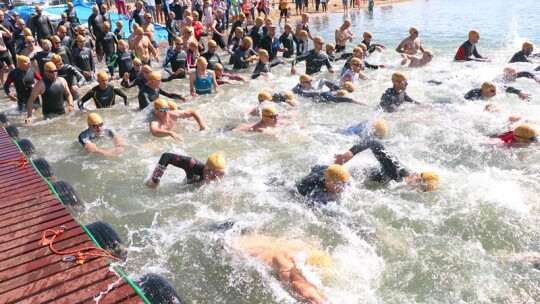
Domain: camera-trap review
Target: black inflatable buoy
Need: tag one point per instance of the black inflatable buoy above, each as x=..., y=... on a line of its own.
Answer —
x=43, y=167
x=157, y=290
x=108, y=239
x=13, y=132
x=3, y=118
x=26, y=146
x=67, y=194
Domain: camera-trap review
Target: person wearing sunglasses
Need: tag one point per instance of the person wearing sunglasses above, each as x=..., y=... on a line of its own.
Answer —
x=71, y=14
x=488, y=90
x=151, y=91
x=196, y=171
x=83, y=58
x=19, y=36
x=31, y=48
x=163, y=119
x=305, y=88
x=134, y=73
x=522, y=135
x=140, y=81
x=41, y=25
x=23, y=79
x=96, y=132
x=65, y=39
x=123, y=59
x=412, y=44
x=61, y=50
x=104, y=94
x=43, y=56
x=371, y=47
x=73, y=77
x=324, y=183
x=269, y=119
x=467, y=51
x=415, y=62
x=395, y=96
x=314, y=59
x=390, y=169
x=53, y=90
x=108, y=42
x=68, y=28
x=266, y=98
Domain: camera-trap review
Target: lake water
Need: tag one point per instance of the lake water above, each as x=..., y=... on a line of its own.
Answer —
x=389, y=244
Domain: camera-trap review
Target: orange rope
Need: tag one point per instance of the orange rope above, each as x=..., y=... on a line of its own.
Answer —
x=80, y=254
x=22, y=162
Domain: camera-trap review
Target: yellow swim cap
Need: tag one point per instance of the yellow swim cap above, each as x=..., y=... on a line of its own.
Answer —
x=336, y=173
x=154, y=76
x=259, y=21
x=356, y=61
x=55, y=38
x=81, y=28
x=269, y=110
x=413, y=30
x=147, y=68
x=430, y=180
x=303, y=33
x=193, y=43
x=106, y=24
x=289, y=95
x=202, y=60
x=367, y=34
x=21, y=59
x=263, y=53
x=81, y=38
x=119, y=23
x=319, y=259
x=488, y=85
x=330, y=47
x=218, y=66
x=137, y=61
x=212, y=43
x=248, y=41
x=49, y=66
x=172, y=105
x=122, y=42
x=160, y=104
x=238, y=30
x=305, y=77
x=178, y=40
x=139, y=31
x=379, y=128
x=398, y=76
x=102, y=76
x=341, y=93
x=62, y=28
x=56, y=59
x=525, y=133
x=318, y=39
x=216, y=161
x=94, y=119
x=349, y=86
x=362, y=46
x=264, y=96
x=46, y=41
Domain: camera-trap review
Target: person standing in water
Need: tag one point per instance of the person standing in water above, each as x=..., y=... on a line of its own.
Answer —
x=467, y=51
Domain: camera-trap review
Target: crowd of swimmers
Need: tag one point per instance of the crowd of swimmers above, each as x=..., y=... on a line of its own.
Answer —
x=51, y=68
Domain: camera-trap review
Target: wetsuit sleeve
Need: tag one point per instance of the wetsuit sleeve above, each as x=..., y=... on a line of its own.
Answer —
x=275, y=62
x=167, y=60
x=127, y=84
x=370, y=66
x=7, y=84
x=121, y=94
x=512, y=90
x=332, y=86
x=525, y=75
x=366, y=143
x=85, y=98
x=391, y=168
x=333, y=98
x=191, y=166
x=92, y=66
x=408, y=98
x=475, y=53
x=346, y=56
x=84, y=137
x=167, y=94
x=328, y=63
x=37, y=76
x=300, y=58
x=256, y=72
x=144, y=100
x=80, y=78
x=50, y=25
x=113, y=63
x=309, y=182
x=473, y=94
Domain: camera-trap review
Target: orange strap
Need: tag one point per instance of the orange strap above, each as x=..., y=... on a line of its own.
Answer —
x=80, y=254
x=21, y=162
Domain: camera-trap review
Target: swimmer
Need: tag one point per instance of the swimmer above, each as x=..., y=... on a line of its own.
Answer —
x=95, y=28
x=467, y=51
x=66, y=35
x=390, y=168
x=41, y=25
x=141, y=77
x=371, y=47
x=95, y=132
x=83, y=59
x=23, y=79
x=263, y=67
x=52, y=90
x=41, y=57
x=211, y=56
x=223, y=77
x=71, y=74
x=393, y=97
x=269, y=119
x=378, y=129
x=314, y=58
x=244, y=55
x=304, y=26
x=202, y=80
x=302, y=43
x=104, y=94
x=287, y=39
x=151, y=91
x=525, y=54
x=354, y=72
x=281, y=256
x=323, y=183
x=30, y=48
x=123, y=59
x=143, y=47
x=107, y=42
x=412, y=44
x=265, y=98
x=61, y=50
x=177, y=57
x=342, y=34
x=415, y=62
x=196, y=171
x=522, y=135
x=164, y=120
x=271, y=44
x=149, y=29
x=305, y=88
x=488, y=90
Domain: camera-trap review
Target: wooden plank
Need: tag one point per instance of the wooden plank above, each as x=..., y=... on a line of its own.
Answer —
x=14, y=190
x=133, y=300
x=29, y=213
x=119, y=292
x=18, y=176
x=27, y=195
x=51, y=224
x=35, y=222
x=22, y=209
x=35, y=235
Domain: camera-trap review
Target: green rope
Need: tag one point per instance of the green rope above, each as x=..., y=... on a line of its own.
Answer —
x=118, y=270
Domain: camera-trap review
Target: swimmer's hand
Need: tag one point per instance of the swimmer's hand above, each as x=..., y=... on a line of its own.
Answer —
x=151, y=184
x=28, y=121
x=13, y=96
x=293, y=70
x=359, y=102
x=382, y=66
x=75, y=88
x=524, y=96
x=291, y=102
x=202, y=126
x=176, y=136
x=179, y=71
x=342, y=158
x=194, y=94
x=537, y=79
x=184, y=98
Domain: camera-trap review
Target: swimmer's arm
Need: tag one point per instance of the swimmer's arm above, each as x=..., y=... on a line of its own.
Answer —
x=166, y=62
x=525, y=75
x=7, y=84
x=67, y=94
x=38, y=89
x=85, y=98
x=214, y=82
x=195, y=114
x=400, y=47
x=158, y=132
x=408, y=98
x=121, y=94
x=192, y=83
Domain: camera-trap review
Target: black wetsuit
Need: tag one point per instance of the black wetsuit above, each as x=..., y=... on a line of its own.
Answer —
x=262, y=67
x=271, y=45
x=42, y=27
x=19, y=40
x=171, y=31
x=107, y=42
x=314, y=61
x=194, y=169
x=42, y=58
x=522, y=57
x=301, y=46
x=10, y=43
x=178, y=60
x=53, y=98
x=474, y=94
x=72, y=17
x=466, y=52
x=95, y=26
x=71, y=74
x=69, y=28
x=124, y=61
x=319, y=96
x=83, y=60
x=220, y=27
x=140, y=82
x=391, y=100
x=240, y=56
x=64, y=53
x=67, y=41
x=103, y=98
x=148, y=95
x=119, y=34
x=255, y=34
x=390, y=167
x=288, y=41
x=369, y=48
x=236, y=24
x=23, y=82
x=136, y=17
x=212, y=58
x=312, y=186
